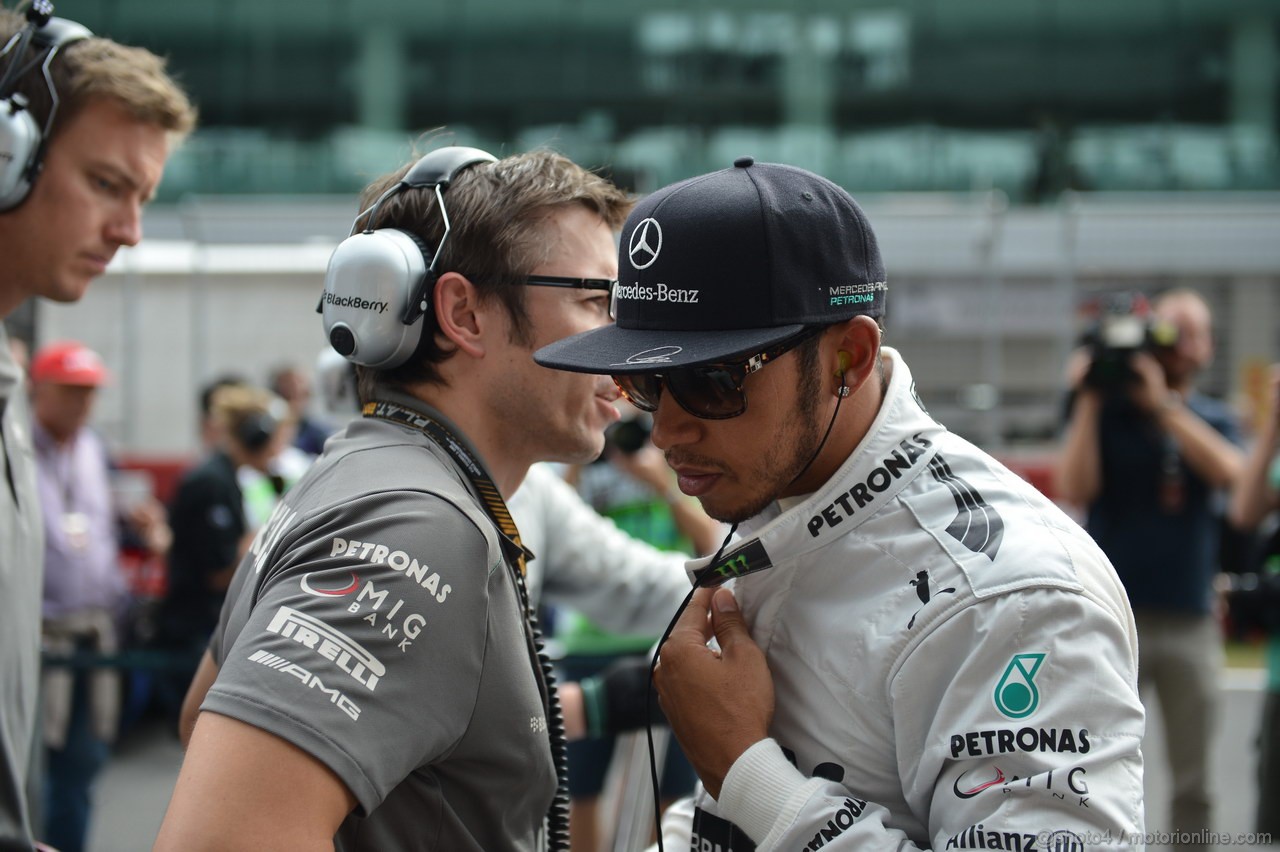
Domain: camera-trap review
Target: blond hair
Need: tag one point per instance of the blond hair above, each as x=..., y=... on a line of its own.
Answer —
x=232, y=406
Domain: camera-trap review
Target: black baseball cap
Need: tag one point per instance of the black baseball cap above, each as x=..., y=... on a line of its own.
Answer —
x=727, y=264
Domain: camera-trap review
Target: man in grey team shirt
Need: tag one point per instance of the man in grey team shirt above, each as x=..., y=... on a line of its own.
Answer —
x=372, y=681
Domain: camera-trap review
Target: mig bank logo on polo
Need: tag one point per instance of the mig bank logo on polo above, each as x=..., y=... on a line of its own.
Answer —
x=1016, y=694
x=646, y=242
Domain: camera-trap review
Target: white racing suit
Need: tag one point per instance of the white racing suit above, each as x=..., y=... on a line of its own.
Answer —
x=954, y=661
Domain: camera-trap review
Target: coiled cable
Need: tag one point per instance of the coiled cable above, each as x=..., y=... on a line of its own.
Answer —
x=558, y=812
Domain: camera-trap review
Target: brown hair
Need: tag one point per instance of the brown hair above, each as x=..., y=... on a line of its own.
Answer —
x=497, y=214
x=99, y=69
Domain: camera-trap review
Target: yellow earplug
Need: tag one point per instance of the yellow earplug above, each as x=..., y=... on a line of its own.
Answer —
x=845, y=360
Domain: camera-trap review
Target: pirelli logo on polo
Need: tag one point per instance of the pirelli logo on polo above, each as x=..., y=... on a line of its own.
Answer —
x=334, y=645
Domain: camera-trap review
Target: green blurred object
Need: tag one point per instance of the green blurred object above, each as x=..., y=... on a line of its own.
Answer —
x=901, y=95
x=1247, y=655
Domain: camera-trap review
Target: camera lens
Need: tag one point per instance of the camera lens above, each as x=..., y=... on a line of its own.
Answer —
x=628, y=436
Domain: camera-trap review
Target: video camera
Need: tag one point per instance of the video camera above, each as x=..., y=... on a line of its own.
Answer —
x=1253, y=597
x=629, y=435
x=1120, y=324
x=1254, y=603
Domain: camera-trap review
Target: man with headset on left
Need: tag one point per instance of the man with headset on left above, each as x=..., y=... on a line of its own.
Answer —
x=86, y=126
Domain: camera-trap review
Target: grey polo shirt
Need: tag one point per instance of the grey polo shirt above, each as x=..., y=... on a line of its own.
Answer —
x=375, y=625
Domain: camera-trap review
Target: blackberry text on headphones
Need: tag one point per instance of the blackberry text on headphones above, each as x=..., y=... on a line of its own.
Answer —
x=355, y=302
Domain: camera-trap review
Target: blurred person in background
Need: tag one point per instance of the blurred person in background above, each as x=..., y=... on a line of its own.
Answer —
x=263, y=488
x=338, y=396
x=261, y=485
x=211, y=531
x=1257, y=496
x=292, y=385
x=209, y=426
x=1149, y=458
x=85, y=591
x=73, y=181
x=631, y=485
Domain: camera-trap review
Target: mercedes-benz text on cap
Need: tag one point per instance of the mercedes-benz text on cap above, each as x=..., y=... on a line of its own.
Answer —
x=727, y=264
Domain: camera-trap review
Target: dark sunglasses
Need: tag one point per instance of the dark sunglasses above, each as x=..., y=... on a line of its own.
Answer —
x=713, y=392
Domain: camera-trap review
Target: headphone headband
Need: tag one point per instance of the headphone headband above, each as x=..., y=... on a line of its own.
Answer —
x=58, y=32
x=435, y=170
x=439, y=168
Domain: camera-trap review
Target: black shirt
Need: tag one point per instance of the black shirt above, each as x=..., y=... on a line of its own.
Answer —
x=208, y=522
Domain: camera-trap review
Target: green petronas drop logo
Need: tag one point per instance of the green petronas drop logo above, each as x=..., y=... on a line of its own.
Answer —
x=1016, y=694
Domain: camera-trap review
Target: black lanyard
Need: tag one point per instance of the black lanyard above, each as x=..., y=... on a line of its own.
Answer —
x=557, y=826
x=496, y=508
x=494, y=505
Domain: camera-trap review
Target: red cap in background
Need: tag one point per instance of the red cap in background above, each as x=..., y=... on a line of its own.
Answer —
x=68, y=363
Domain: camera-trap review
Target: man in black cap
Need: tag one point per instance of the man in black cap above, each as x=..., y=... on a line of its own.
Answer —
x=915, y=648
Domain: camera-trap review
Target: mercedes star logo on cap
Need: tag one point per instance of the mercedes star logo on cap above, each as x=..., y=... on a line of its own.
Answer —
x=641, y=252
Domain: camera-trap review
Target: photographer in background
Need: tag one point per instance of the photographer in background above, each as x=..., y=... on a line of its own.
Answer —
x=631, y=484
x=1146, y=456
x=1256, y=496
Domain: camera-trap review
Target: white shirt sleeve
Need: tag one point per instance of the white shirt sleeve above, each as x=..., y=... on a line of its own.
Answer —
x=583, y=561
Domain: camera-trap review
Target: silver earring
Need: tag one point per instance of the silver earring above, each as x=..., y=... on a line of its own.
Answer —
x=843, y=392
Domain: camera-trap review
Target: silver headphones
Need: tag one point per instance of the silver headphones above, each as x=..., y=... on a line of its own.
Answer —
x=22, y=141
x=379, y=283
